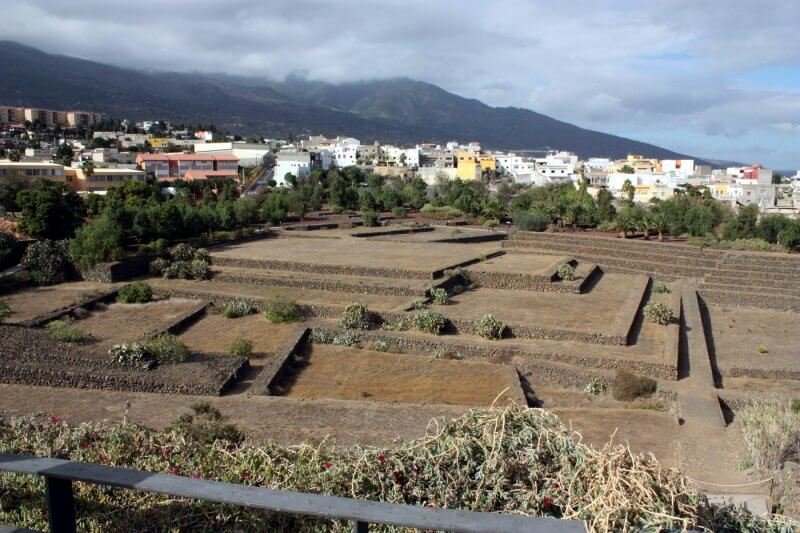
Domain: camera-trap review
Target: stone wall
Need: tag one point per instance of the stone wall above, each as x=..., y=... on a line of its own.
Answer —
x=327, y=284
x=424, y=344
x=118, y=270
x=279, y=365
x=29, y=356
x=105, y=297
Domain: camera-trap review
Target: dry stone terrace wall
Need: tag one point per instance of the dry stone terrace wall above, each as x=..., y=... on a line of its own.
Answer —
x=750, y=299
x=400, y=342
x=69, y=309
x=278, y=365
x=29, y=356
x=540, y=283
x=337, y=285
x=180, y=322
x=268, y=264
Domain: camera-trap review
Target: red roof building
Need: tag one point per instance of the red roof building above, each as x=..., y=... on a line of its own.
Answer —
x=169, y=167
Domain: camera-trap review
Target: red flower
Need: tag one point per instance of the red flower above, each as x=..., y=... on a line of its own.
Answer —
x=196, y=476
x=175, y=472
x=54, y=419
x=547, y=502
x=381, y=458
x=246, y=475
x=85, y=445
x=327, y=465
x=167, y=453
x=104, y=457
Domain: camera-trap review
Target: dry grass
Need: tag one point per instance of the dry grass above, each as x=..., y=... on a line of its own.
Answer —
x=771, y=432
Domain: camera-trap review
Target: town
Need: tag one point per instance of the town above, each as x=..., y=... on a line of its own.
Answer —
x=34, y=145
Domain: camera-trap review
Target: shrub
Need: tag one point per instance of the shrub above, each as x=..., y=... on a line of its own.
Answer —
x=762, y=349
x=430, y=322
x=399, y=212
x=198, y=269
x=660, y=288
x=440, y=296
x=345, y=339
x=369, y=218
x=241, y=348
x=64, y=331
x=280, y=310
x=237, y=308
x=658, y=313
x=158, y=265
x=187, y=263
x=489, y=327
x=355, y=316
x=771, y=432
x=99, y=240
x=380, y=346
x=443, y=353
x=46, y=262
x=135, y=293
x=419, y=304
x=440, y=213
x=629, y=386
x=166, y=348
x=154, y=247
x=565, y=272
x=796, y=405
x=133, y=355
x=530, y=220
x=206, y=425
x=5, y=310
x=491, y=223
x=322, y=336
x=398, y=325
x=595, y=386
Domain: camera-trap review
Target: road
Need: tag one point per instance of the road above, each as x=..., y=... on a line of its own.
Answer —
x=260, y=183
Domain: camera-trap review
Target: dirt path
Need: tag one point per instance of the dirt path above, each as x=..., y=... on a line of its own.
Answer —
x=709, y=451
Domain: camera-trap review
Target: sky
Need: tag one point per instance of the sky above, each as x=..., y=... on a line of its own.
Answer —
x=713, y=78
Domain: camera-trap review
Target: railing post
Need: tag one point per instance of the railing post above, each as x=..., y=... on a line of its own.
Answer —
x=360, y=527
x=60, y=504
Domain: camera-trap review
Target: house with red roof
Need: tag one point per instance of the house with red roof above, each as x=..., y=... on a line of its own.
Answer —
x=190, y=167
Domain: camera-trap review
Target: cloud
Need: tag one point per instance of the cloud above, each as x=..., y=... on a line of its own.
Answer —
x=689, y=67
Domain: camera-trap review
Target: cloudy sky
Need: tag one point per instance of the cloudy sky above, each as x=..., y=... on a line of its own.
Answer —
x=714, y=78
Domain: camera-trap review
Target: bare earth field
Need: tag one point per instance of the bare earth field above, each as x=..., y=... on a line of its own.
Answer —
x=596, y=310
x=214, y=333
x=30, y=303
x=354, y=251
x=338, y=372
x=118, y=323
x=738, y=332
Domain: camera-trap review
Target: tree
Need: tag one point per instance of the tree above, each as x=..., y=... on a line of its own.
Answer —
x=777, y=179
x=343, y=192
x=246, y=210
x=98, y=241
x=304, y=199
x=64, y=154
x=743, y=226
x=88, y=167
x=628, y=190
x=14, y=156
x=657, y=221
x=770, y=227
x=629, y=219
x=699, y=221
x=50, y=210
x=605, y=206
x=627, y=169
x=8, y=194
x=275, y=207
x=790, y=236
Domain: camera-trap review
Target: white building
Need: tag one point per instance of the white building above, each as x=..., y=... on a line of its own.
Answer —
x=683, y=167
x=520, y=168
x=249, y=154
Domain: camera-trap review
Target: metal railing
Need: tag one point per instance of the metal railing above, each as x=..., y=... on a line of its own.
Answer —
x=59, y=475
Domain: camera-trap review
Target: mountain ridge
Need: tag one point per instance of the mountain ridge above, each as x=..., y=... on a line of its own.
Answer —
x=399, y=109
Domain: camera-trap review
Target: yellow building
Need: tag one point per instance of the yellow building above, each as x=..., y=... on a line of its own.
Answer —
x=159, y=142
x=470, y=165
x=29, y=171
x=101, y=179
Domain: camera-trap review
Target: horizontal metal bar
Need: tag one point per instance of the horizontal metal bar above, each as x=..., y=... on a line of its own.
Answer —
x=323, y=506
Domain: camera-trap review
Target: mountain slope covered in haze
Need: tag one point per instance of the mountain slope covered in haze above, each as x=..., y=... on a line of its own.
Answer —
x=394, y=110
